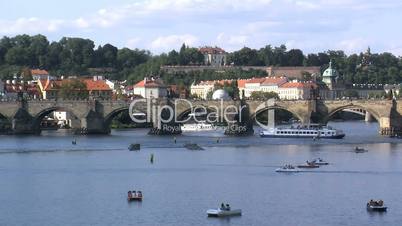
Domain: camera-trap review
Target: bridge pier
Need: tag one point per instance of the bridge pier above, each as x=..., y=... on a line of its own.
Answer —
x=368, y=117
x=164, y=120
x=240, y=124
x=23, y=123
x=94, y=123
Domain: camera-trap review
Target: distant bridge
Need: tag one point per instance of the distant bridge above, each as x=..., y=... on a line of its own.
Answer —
x=95, y=116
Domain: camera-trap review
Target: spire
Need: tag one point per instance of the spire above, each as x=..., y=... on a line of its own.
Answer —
x=330, y=64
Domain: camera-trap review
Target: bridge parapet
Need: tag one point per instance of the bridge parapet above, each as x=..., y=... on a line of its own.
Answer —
x=98, y=114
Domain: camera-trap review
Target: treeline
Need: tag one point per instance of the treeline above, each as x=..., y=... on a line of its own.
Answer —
x=77, y=56
x=383, y=68
x=69, y=56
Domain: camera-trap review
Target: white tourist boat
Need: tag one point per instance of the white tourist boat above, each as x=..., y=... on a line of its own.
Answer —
x=202, y=126
x=287, y=169
x=308, y=131
x=223, y=213
x=319, y=161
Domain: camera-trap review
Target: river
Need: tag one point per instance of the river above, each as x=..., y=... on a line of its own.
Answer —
x=45, y=180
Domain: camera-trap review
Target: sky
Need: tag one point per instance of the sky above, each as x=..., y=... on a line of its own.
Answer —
x=162, y=25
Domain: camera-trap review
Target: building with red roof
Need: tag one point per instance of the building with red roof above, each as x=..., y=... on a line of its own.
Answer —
x=150, y=88
x=40, y=74
x=95, y=87
x=214, y=56
x=296, y=90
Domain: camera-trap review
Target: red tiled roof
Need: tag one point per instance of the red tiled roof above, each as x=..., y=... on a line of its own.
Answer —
x=241, y=83
x=256, y=80
x=274, y=81
x=149, y=83
x=39, y=72
x=299, y=85
x=98, y=85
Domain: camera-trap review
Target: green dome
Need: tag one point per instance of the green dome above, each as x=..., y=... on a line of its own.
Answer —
x=330, y=72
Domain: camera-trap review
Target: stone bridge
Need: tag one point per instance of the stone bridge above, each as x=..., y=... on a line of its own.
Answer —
x=94, y=117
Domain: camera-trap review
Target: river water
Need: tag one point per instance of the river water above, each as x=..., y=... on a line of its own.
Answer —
x=45, y=180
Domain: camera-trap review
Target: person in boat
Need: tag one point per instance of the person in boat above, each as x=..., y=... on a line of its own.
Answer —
x=129, y=195
x=139, y=194
x=380, y=202
x=223, y=206
x=227, y=207
x=134, y=194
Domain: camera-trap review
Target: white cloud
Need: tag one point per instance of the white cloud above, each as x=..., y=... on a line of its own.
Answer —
x=258, y=26
x=166, y=43
x=353, y=45
x=81, y=23
x=29, y=25
x=231, y=42
x=133, y=43
x=307, y=4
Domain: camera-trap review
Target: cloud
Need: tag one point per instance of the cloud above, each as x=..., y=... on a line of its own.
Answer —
x=29, y=25
x=231, y=42
x=81, y=23
x=353, y=45
x=133, y=43
x=161, y=25
x=166, y=43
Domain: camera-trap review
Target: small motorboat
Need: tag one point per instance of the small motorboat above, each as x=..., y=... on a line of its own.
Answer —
x=134, y=147
x=223, y=212
x=374, y=205
x=134, y=196
x=360, y=150
x=287, y=169
x=193, y=147
x=319, y=161
x=308, y=165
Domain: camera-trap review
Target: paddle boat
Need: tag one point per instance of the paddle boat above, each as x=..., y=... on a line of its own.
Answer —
x=308, y=165
x=360, y=150
x=319, y=161
x=134, y=196
x=223, y=211
x=287, y=169
x=376, y=205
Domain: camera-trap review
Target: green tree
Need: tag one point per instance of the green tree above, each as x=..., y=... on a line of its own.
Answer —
x=73, y=89
x=260, y=95
x=351, y=93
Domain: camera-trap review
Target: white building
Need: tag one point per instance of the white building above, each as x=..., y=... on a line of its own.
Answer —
x=150, y=88
x=202, y=88
x=268, y=84
x=296, y=90
x=214, y=56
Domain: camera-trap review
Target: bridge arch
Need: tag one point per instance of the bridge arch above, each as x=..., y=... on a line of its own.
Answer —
x=351, y=106
x=109, y=117
x=5, y=124
x=40, y=115
x=277, y=107
x=185, y=112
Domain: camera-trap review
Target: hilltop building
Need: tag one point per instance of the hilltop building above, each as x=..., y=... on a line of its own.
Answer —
x=214, y=56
